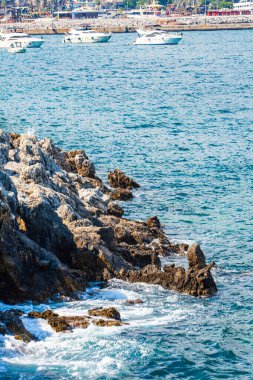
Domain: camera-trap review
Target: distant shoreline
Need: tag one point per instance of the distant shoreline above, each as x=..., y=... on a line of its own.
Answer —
x=172, y=24
x=178, y=28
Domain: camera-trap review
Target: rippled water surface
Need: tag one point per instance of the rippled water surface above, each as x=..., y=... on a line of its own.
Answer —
x=179, y=120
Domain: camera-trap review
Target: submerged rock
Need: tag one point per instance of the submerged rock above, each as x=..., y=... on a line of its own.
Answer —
x=108, y=323
x=134, y=302
x=59, y=229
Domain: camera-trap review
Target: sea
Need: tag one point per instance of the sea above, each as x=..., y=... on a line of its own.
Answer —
x=179, y=120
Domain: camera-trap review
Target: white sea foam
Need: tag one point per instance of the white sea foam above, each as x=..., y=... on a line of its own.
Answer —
x=31, y=131
x=38, y=327
x=111, y=348
x=179, y=241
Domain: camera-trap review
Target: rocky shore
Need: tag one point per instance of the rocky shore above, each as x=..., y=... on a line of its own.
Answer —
x=60, y=229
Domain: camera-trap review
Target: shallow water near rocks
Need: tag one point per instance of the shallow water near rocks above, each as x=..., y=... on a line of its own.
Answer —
x=179, y=120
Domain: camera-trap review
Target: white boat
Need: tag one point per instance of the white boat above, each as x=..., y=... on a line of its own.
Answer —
x=6, y=39
x=77, y=36
x=244, y=6
x=17, y=47
x=152, y=9
x=157, y=37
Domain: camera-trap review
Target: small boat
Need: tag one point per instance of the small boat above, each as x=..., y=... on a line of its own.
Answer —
x=17, y=47
x=77, y=36
x=157, y=37
x=6, y=39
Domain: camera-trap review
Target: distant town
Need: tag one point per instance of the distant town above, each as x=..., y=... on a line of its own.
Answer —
x=30, y=10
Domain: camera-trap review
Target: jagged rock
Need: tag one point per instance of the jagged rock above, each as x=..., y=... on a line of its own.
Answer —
x=196, y=257
x=68, y=323
x=180, y=248
x=59, y=323
x=110, y=313
x=153, y=222
x=121, y=195
x=134, y=302
x=59, y=228
x=196, y=281
x=114, y=209
x=119, y=179
x=11, y=324
x=80, y=163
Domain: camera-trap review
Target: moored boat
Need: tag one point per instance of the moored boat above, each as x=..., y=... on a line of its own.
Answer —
x=6, y=39
x=17, y=47
x=77, y=36
x=157, y=37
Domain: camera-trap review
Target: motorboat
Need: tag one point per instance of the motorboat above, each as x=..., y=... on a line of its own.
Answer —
x=244, y=6
x=157, y=37
x=6, y=39
x=17, y=47
x=77, y=36
x=152, y=9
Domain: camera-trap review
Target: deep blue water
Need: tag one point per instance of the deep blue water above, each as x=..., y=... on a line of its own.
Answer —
x=179, y=120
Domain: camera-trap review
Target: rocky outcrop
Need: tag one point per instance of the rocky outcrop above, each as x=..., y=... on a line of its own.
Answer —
x=68, y=323
x=118, y=179
x=121, y=195
x=59, y=228
x=122, y=185
x=114, y=209
x=110, y=313
x=11, y=324
x=61, y=323
x=196, y=281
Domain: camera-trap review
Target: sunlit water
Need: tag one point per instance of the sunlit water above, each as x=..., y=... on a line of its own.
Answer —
x=179, y=120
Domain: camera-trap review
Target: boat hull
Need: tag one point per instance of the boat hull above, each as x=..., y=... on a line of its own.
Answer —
x=31, y=44
x=16, y=50
x=36, y=43
x=86, y=39
x=160, y=41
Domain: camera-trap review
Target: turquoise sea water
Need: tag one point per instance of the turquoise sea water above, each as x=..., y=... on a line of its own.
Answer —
x=179, y=120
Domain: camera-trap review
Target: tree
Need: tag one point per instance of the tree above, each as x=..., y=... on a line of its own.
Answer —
x=225, y=4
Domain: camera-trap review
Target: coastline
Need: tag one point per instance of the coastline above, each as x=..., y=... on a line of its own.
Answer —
x=81, y=237
x=178, y=120
x=177, y=24
x=179, y=28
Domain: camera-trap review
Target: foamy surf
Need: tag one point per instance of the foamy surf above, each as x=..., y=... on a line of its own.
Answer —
x=73, y=355
x=38, y=327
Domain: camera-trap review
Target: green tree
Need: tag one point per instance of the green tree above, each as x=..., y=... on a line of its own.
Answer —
x=225, y=4
x=140, y=3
